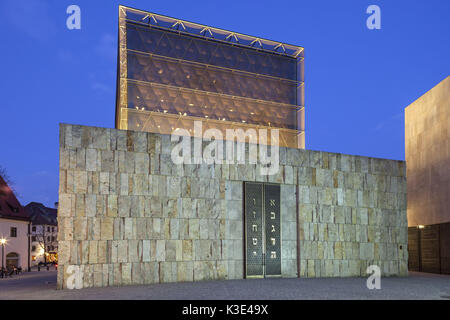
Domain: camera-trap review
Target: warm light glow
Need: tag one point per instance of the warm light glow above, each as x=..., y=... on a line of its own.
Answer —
x=420, y=226
x=2, y=240
x=211, y=32
x=258, y=91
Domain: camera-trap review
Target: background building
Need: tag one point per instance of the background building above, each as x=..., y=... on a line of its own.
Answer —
x=44, y=233
x=427, y=135
x=15, y=228
x=173, y=72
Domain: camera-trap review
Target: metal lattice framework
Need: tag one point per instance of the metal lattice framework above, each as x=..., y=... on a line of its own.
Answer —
x=173, y=72
x=169, y=23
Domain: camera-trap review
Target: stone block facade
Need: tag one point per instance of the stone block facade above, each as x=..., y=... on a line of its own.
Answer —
x=129, y=215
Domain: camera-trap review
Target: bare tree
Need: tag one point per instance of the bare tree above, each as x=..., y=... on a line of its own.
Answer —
x=42, y=240
x=10, y=182
x=5, y=176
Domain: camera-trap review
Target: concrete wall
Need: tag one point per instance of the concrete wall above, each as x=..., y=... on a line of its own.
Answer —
x=427, y=134
x=128, y=215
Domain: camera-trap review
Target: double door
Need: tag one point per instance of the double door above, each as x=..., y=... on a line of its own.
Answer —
x=262, y=230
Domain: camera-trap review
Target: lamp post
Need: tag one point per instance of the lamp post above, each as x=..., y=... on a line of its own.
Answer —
x=3, y=241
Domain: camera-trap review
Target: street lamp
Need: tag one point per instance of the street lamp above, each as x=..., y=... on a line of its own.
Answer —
x=3, y=241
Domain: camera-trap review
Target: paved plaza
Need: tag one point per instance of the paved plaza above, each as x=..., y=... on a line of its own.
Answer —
x=41, y=285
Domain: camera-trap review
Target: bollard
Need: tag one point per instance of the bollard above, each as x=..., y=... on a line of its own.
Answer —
x=39, y=268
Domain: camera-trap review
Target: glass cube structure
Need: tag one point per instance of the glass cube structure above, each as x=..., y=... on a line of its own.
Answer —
x=173, y=72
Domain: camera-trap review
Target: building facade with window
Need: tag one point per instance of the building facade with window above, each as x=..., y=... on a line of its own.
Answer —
x=44, y=233
x=15, y=228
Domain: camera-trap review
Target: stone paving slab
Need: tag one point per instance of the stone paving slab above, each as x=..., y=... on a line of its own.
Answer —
x=42, y=285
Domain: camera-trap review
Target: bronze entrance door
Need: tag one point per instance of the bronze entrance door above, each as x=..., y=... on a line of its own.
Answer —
x=262, y=230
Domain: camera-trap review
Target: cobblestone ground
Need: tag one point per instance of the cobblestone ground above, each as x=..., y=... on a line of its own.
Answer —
x=41, y=285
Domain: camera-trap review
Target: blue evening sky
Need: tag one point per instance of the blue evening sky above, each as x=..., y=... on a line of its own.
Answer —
x=358, y=81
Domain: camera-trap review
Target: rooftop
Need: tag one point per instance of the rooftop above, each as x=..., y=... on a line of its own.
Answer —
x=10, y=207
x=41, y=215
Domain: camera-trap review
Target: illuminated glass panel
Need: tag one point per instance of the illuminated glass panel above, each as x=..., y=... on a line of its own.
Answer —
x=171, y=44
x=183, y=102
x=173, y=72
x=208, y=78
